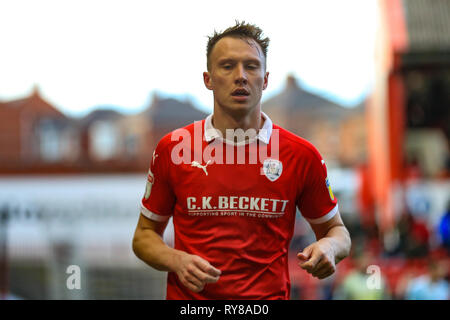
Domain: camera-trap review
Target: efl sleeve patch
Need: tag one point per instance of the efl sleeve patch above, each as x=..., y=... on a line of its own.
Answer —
x=327, y=183
x=317, y=198
x=158, y=200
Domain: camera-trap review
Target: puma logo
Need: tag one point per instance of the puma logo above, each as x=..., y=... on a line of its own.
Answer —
x=198, y=165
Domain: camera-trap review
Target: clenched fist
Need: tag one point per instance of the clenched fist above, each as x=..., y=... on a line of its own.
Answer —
x=194, y=272
x=318, y=259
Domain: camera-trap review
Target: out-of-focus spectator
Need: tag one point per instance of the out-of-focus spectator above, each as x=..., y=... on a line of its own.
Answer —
x=444, y=229
x=402, y=285
x=420, y=235
x=356, y=285
x=431, y=286
x=413, y=171
x=414, y=236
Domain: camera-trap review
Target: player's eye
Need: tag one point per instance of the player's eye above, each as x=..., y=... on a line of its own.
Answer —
x=252, y=66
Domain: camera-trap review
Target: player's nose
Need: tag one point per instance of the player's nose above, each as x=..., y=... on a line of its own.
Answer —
x=240, y=75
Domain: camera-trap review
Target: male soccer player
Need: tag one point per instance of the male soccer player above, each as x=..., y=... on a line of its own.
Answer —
x=232, y=183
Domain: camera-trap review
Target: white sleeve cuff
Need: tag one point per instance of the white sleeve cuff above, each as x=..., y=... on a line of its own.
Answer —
x=153, y=216
x=326, y=217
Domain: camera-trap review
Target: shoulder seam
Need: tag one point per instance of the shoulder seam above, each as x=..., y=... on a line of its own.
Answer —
x=308, y=145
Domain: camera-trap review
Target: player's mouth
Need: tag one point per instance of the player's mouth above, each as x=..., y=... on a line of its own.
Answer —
x=240, y=94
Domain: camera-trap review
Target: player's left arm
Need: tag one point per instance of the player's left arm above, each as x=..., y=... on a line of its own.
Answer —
x=333, y=244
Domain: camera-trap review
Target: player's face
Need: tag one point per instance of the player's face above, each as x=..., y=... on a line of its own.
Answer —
x=237, y=74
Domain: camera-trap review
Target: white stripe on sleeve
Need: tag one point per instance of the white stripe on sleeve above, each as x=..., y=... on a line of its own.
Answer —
x=326, y=217
x=153, y=216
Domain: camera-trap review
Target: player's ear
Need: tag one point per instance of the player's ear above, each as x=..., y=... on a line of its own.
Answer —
x=266, y=80
x=207, y=80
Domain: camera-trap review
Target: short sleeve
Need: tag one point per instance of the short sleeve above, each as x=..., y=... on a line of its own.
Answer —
x=317, y=202
x=158, y=200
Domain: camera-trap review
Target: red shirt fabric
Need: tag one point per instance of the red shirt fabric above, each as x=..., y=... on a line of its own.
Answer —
x=238, y=216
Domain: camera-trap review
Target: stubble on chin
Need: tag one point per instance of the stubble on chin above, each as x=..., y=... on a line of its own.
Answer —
x=235, y=109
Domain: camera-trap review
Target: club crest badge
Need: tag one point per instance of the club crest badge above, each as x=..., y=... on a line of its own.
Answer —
x=272, y=169
x=148, y=187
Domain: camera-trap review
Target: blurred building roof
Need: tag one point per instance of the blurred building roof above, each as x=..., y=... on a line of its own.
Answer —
x=33, y=103
x=294, y=98
x=172, y=113
x=428, y=24
x=100, y=114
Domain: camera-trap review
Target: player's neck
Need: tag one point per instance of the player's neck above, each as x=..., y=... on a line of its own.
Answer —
x=223, y=120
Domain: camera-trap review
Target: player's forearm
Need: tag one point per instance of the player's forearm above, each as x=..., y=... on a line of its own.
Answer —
x=150, y=248
x=339, y=239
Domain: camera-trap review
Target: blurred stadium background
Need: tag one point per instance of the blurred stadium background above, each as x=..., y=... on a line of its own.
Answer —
x=70, y=187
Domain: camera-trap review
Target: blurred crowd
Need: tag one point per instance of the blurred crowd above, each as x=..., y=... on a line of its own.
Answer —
x=412, y=263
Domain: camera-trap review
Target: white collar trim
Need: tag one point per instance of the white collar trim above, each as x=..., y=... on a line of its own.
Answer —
x=264, y=134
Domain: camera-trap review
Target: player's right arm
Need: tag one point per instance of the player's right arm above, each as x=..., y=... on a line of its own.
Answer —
x=193, y=271
x=156, y=208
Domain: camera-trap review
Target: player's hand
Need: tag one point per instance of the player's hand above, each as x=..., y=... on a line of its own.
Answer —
x=318, y=259
x=194, y=272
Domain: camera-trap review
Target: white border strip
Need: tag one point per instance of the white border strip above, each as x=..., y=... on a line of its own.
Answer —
x=153, y=216
x=326, y=217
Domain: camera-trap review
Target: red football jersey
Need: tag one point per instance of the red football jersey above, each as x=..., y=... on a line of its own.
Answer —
x=238, y=215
